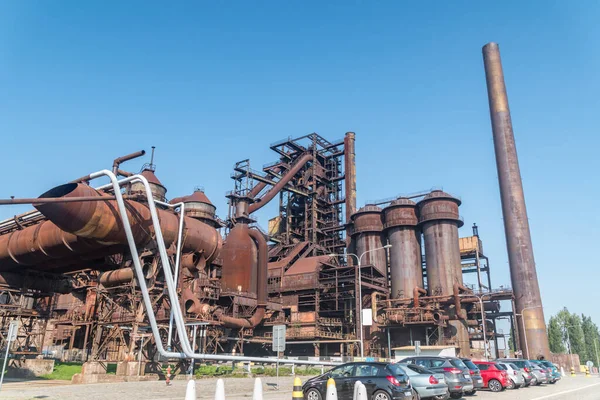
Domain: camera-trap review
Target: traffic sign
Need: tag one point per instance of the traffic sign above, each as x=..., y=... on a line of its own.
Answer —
x=279, y=338
x=13, y=328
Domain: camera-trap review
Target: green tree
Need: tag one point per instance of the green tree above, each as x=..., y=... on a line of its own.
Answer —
x=555, y=336
x=572, y=331
x=591, y=337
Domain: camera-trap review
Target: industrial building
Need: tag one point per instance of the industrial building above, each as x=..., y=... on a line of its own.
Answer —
x=345, y=281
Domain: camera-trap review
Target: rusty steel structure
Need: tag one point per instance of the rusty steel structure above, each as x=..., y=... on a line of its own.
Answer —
x=532, y=332
x=67, y=267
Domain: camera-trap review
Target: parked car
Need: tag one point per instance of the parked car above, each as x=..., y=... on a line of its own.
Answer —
x=426, y=383
x=494, y=377
x=514, y=374
x=455, y=372
x=475, y=375
x=550, y=368
x=540, y=373
x=383, y=381
x=526, y=367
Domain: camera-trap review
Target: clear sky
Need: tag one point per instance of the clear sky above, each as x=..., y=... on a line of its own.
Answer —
x=212, y=83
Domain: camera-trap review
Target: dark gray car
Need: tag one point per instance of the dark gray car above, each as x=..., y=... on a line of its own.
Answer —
x=458, y=377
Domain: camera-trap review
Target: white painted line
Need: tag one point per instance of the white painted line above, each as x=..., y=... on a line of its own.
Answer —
x=565, y=392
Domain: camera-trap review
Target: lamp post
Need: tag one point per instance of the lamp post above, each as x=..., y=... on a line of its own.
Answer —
x=569, y=343
x=359, y=262
x=480, y=298
x=522, y=315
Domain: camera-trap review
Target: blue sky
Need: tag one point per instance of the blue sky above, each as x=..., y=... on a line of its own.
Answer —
x=211, y=83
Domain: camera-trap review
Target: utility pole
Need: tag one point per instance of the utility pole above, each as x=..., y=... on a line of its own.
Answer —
x=596, y=348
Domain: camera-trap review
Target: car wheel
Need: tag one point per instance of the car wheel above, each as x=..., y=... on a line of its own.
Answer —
x=416, y=395
x=510, y=385
x=381, y=395
x=553, y=382
x=313, y=394
x=495, y=385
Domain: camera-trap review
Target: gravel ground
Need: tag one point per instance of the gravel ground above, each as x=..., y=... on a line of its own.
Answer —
x=579, y=387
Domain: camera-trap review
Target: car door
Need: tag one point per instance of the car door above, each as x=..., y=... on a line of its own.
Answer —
x=368, y=375
x=344, y=380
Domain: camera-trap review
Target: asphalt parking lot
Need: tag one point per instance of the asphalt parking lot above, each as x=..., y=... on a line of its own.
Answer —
x=580, y=388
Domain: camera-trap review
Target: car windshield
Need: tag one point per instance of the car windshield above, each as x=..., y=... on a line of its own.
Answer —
x=501, y=367
x=457, y=363
x=513, y=366
x=470, y=365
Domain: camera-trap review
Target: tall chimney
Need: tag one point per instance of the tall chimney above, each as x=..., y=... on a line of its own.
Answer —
x=528, y=302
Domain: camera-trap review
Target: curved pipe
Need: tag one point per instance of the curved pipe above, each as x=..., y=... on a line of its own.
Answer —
x=82, y=227
x=261, y=289
x=457, y=289
x=416, y=291
x=180, y=323
x=261, y=185
x=300, y=162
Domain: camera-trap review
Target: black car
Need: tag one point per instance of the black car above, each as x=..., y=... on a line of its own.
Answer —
x=456, y=373
x=383, y=381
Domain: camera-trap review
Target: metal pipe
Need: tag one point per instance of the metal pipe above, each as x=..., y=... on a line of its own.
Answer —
x=65, y=199
x=350, y=187
x=297, y=166
x=181, y=206
x=516, y=224
x=119, y=160
x=185, y=344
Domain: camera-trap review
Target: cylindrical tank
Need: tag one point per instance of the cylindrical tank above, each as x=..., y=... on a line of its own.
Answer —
x=156, y=187
x=198, y=206
x=368, y=235
x=405, y=254
x=240, y=256
x=439, y=221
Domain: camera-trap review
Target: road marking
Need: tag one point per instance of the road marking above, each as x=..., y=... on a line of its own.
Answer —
x=565, y=392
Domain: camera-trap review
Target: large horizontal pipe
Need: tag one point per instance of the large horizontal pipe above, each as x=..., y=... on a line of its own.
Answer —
x=298, y=164
x=116, y=277
x=65, y=199
x=84, y=227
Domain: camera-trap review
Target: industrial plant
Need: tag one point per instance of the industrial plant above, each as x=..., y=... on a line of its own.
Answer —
x=129, y=273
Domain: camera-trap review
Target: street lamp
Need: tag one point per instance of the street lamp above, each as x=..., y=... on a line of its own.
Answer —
x=569, y=343
x=480, y=298
x=359, y=260
x=522, y=315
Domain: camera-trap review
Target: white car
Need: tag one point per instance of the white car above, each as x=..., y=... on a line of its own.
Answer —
x=514, y=373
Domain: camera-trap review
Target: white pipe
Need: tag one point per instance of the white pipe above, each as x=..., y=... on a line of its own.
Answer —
x=175, y=306
x=177, y=260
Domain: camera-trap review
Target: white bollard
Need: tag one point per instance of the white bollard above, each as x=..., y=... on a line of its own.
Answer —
x=190, y=391
x=258, y=392
x=562, y=371
x=356, y=386
x=220, y=392
x=331, y=390
x=362, y=393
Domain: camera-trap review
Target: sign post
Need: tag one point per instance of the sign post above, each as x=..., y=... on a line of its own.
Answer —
x=12, y=335
x=278, y=346
x=417, y=347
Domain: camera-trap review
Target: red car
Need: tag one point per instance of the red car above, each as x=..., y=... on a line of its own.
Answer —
x=494, y=377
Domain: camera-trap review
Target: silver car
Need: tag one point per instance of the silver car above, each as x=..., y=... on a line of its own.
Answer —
x=514, y=373
x=425, y=382
x=541, y=376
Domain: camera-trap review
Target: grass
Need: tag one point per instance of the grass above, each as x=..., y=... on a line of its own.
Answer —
x=63, y=371
x=213, y=370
